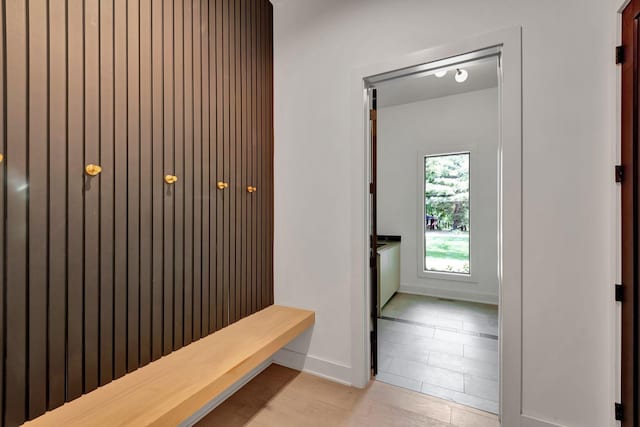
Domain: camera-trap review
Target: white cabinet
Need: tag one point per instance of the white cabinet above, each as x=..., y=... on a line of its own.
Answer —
x=388, y=272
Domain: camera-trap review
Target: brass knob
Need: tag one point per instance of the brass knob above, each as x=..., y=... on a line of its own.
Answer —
x=170, y=179
x=222, y=185
x=251, y=189
x=92, y=170
x=1, y=158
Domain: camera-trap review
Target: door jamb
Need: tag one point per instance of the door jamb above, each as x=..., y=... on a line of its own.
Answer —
x=510, y=230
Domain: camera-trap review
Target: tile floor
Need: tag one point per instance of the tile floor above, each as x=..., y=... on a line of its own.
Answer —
x=443, y=348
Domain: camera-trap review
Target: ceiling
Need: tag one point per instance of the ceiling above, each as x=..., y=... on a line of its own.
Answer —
x=482, y=75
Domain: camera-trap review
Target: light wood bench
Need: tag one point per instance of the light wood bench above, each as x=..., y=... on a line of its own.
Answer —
x=171, y=389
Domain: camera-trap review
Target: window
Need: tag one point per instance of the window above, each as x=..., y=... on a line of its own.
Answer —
x=446, y=213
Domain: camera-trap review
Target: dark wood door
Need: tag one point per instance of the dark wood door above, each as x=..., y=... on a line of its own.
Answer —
x=630, y=229
x=373, y=238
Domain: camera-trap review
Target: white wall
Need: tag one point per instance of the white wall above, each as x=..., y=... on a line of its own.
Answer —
x=568, y=194
x=464, y=122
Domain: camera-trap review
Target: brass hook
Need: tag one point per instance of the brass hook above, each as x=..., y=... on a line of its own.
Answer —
x=251, y=189
x=222, y=185
x=92, y=170
x=170, y=179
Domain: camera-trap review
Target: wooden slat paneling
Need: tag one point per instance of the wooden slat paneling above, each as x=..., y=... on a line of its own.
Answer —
x=258, y=182
x=253, y=161
x=16, y=164
x=208, y=176
x=197, y=169
x=169, y=168
x=237, y=162
x=38, y=201
x=158, y=170
x=218, y=142
x=270, y=136
x=107, y=177
x=178, y=149
x=75, y=201
x=230, y=146
x=57, y=238
x=104, y=274
x=133, y=184
x=91, y=194
x=3, y=146
x=244, y=44
x=188, y=171
x=146, y=183
x=120, y=192
x=226, y=161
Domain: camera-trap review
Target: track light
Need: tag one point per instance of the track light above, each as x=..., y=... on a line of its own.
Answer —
x=461, y=75
x=440, y=73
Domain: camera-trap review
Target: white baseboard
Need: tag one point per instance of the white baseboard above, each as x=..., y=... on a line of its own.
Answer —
x=332, y=371
x=449, y=294
x=217, y=401
x=528, y=421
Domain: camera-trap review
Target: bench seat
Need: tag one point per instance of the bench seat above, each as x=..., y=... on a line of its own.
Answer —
x=171, y=389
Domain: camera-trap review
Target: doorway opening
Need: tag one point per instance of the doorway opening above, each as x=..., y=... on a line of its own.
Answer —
x=435, y=221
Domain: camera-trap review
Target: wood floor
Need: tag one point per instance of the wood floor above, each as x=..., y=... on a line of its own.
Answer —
x=283, y=397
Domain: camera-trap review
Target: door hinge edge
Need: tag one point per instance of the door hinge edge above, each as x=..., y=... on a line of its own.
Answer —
x=619, y=292
x=619, y=171
x=619, y=411
x=620, y=54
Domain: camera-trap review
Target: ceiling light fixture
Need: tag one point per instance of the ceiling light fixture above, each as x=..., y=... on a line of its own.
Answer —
x=461, y=75
x=440, y=73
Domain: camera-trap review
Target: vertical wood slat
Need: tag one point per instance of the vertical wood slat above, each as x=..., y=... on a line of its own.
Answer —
x=107, y=150
x=253, y=159
x=208, y=187
x=133, y=184
x=226, y=144
x=169, y=168
x=57, y=202
x=188, y=183
x=197, y=171
x=146, y=183
x=261, y=141
x=264, y=157
x=120, y=191
x=169, y=191
x=209, y=133
x=38, y=198
x=244, y=4
x=16, y=213
x=156, y=178
x=3, y=192
x=91, y=193
x=215, y=317
x=241, y=191
x=270, y=183
x=221, y=311
x=75, y=204
x=231, y=155
x=258, y=157
x=179, y=150
x=178, y=88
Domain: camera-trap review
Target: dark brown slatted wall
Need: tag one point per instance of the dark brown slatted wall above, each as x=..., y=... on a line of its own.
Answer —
x=104, y=273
